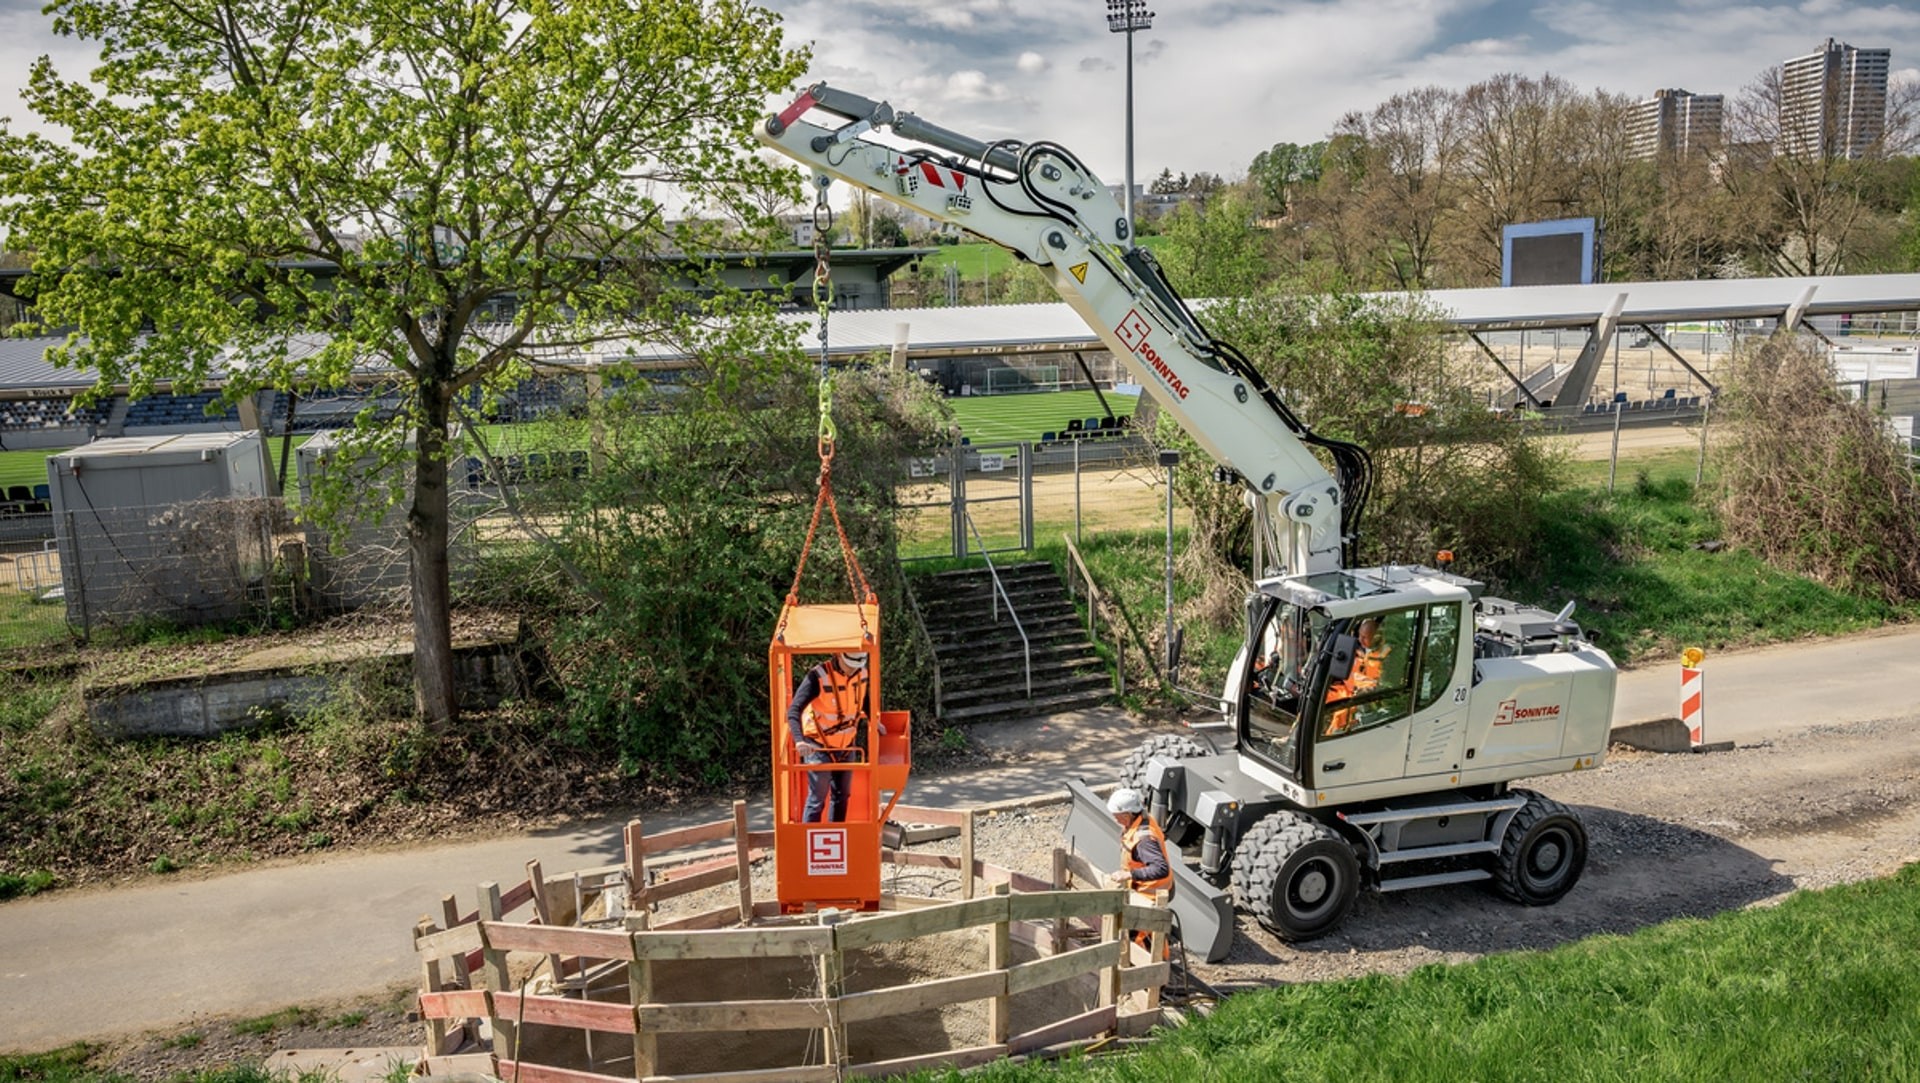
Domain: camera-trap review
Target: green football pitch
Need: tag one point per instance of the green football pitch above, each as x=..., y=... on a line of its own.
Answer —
x=997, y=418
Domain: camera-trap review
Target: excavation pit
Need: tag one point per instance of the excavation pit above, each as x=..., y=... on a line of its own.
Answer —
x=688, y=975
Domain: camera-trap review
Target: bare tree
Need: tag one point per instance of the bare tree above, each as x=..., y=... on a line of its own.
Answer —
x=1412, y=148
x=1513, y=133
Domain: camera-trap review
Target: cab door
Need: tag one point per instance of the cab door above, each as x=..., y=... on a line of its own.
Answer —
x=1362, y=727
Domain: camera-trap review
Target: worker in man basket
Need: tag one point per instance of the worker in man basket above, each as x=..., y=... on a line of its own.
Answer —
x=1144, y=849
x=827, y=718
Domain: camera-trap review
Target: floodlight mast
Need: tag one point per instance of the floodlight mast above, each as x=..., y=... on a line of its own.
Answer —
x=1040, y=202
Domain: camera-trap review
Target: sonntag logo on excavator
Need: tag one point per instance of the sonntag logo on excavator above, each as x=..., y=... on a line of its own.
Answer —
x=1134, y=331
x=1510, y=712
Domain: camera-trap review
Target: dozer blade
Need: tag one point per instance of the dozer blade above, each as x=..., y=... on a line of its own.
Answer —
x=1202, y=913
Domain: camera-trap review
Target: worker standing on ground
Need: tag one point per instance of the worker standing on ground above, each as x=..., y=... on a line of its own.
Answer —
x=826, y=718
x=1143, y=850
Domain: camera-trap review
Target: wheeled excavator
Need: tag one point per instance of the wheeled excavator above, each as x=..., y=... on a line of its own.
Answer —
x=1375, y=718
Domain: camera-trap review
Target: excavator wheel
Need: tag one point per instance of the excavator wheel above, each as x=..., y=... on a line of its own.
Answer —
x=1297, y=875
x=1542, y=853
x=1167, y=746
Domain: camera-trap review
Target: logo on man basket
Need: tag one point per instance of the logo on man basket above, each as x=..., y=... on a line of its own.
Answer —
x=827, y=851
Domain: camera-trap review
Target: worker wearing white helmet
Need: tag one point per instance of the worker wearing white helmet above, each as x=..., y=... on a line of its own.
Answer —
x=1142, y=845
x=826, y=717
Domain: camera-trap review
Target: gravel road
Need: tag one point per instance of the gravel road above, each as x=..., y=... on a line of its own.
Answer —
x=1669, y=836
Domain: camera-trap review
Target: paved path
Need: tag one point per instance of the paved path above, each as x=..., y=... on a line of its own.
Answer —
x=248, y=942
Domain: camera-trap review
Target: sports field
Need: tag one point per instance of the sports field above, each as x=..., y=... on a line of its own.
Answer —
x=998, y=418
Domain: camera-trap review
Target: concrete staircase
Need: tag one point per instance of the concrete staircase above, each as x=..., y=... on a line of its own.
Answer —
x=982, y=673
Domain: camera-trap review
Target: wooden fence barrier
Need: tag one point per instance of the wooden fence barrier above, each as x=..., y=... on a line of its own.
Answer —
x=1074, y=935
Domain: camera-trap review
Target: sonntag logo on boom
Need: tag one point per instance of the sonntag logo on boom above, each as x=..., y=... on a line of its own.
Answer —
x=1510, y=712
x=1134, y=331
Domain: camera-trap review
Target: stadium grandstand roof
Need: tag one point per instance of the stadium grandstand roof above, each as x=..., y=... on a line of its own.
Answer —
x=1057, y=328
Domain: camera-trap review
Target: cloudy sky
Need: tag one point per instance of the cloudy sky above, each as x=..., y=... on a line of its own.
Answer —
x=1217, y=81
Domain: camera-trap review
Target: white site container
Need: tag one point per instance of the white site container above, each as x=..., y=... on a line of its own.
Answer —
x=155, y=527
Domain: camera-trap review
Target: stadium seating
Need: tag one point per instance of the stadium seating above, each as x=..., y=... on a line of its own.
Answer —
x=49, y=413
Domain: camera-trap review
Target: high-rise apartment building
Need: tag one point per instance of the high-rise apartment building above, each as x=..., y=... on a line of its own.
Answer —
x=1833, y=101
x=1676, y=122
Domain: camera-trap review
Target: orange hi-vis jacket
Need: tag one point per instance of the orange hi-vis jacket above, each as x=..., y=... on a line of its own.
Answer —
x=833, y=719
x=1131, y=838
x=1365, y=675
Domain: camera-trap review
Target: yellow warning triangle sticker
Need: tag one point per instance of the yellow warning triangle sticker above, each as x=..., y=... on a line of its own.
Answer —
x=1079, y=271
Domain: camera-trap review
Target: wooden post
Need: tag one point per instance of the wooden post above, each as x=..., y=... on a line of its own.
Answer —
x=743, y=860
x=966, y=856
x=636, y=866
x=1062, y=880
x=506, y=1039
x=1110, y=974
x=450, y=913
x=833, y=985
x=430, y=983
x=999, y=957
x=646, y=1047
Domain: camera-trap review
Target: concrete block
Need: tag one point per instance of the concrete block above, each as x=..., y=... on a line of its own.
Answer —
x=1657, y=735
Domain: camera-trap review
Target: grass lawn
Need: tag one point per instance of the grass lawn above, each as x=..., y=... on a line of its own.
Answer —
x=997, y=418
x=1803, y=990
x=976, y=259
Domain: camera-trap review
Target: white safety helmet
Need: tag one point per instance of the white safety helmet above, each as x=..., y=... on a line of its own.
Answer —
x=853, y=661
x=1126, y=801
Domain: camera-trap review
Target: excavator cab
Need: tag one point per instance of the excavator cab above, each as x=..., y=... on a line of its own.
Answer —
x=833, y=864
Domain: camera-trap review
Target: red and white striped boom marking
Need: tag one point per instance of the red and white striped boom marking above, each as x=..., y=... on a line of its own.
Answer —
x=1693, y=705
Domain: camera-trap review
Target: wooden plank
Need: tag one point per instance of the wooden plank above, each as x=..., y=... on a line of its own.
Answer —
x=889, y=928
x=672, y=889
x=683, y=837
x=710, y=919
x=477, y=1063
x=516, y=897
x=1073, y=1029
x=1034, y=936
x=760, y=840
x=972, y=1056
x=966, y=857
x=735, y=1015
x=633, y=840
x=799, y=940
x=1151, y=919
x=1046, y=905
x=937, y=861
x=460, y=939
x=999, y=954
x=920, y=996
x=1019, y=881
x=817, y=1073
x=430, y=982
x=506, y=1036
x=646, y=1047
x=1067, y=964
x=474, y=958
x=554, y=1011
x=1137, y=1024
x=939, y=817
x=769, y=909
x=1151, y=976
x=544, y=1073
x=454, y=1004
x=910, y=902
x=587, y=943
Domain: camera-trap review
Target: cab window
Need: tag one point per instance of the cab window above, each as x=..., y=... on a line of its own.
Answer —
x=1379, y=689
x=1441, y=651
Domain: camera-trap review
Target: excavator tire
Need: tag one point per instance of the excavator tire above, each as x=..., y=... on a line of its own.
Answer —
x=1297, y=875
x=1166, y=746
x=1542, y=853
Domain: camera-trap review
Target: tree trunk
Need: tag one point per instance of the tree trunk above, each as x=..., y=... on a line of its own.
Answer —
x=434, y=696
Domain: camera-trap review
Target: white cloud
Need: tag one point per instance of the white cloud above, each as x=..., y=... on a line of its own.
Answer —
x=1032, y=63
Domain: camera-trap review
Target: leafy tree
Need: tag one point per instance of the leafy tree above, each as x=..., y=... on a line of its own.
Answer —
x=1280, y=170
x=1448, y=473
x=442, y=157
x=1214, y=249
x=1166, y=184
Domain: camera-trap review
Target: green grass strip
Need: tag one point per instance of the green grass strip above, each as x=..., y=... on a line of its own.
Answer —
x=1822, y=986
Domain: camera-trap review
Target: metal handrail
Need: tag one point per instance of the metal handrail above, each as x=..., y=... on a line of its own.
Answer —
x=926, y=640
x=1000, y=592
x=1094, y=601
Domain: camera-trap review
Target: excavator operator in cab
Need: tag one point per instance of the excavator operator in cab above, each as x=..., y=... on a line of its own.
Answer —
x=1368, y=659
